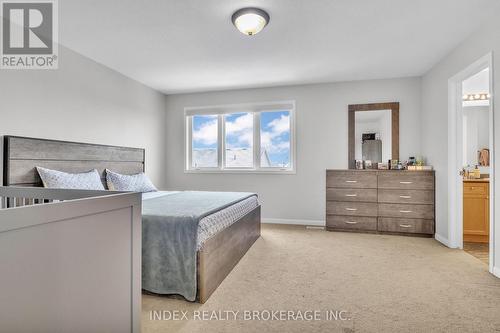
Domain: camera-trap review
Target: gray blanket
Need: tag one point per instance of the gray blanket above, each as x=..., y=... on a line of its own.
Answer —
x=169, y=236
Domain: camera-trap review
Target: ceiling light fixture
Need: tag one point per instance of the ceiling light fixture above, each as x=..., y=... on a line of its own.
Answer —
x=250, y=21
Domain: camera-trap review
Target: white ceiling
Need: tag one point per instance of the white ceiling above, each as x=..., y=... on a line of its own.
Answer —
x=190, y=45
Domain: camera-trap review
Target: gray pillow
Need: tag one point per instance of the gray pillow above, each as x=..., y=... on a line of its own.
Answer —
x=89, y=180
x=134, y=183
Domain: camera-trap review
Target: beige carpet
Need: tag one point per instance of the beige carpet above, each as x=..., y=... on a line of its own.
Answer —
x=385, y=283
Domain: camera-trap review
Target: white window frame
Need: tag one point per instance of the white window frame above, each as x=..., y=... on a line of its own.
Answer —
x=221, y=111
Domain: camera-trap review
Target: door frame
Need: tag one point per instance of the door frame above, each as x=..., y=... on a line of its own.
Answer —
x=455, y=152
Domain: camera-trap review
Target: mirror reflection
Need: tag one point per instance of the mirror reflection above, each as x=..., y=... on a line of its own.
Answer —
x=476, y=122
x=373, y=131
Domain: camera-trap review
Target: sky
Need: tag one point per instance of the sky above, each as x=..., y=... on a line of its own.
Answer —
x=275, y=136
x=205, y=130
x=274, y=133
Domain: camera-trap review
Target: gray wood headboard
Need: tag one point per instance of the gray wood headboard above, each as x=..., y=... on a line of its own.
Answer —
x=23, y=155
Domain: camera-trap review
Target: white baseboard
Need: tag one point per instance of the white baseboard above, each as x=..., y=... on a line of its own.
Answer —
x=442, y=240
x=320, y=223
x=496, y=271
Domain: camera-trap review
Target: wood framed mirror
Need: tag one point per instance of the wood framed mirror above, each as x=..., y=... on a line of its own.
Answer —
x=373, y=132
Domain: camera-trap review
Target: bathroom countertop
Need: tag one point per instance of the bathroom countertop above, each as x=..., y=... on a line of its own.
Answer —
x=480, y=180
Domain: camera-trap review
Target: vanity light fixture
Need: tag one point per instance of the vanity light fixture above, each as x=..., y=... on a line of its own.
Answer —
x=250, y=21
x=476, y=97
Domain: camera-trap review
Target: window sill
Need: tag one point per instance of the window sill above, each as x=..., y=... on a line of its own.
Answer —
x=242, y=171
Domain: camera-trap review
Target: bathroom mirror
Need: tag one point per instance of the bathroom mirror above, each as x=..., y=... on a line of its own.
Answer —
x=373, y=133
x=476, y=121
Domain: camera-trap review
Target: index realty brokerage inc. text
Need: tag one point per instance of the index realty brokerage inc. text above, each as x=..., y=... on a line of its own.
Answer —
x=258, y=315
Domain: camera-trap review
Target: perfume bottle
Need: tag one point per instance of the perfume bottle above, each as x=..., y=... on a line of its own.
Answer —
x=476, y=173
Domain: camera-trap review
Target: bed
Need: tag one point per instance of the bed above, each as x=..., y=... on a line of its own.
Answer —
x=216, y=255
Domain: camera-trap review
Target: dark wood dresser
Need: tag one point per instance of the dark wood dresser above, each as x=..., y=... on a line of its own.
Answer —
x=381, y=201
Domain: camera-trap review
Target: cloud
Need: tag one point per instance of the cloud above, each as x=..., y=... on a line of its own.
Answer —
x=265, y=138
x=207, y=133
x=240, y=124
x=282, y=146
x=271, y=140
x=280, y=125
x=273, y=145
x=241, y=129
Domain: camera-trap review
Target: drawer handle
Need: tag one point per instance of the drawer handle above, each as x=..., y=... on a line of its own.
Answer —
x=405, y=225
x=405, y=196
x=405, y=211
x=351, y=195
x=406, y=183
x=351, y=222
x=351, y=181
x=351, y=209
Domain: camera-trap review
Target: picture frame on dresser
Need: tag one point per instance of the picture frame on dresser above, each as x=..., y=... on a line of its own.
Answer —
x=381, y=201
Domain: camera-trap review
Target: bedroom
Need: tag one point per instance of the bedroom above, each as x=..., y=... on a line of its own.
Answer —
x=133, y=74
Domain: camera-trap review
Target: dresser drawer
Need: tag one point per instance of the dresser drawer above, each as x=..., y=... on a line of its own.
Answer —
x=418, y=226
x=406, y=196
x=343, y=194
x=351, y=179
x=351, y=208
x=406, y=211
x=412, y=180
x=476, y=189
x=351, y=222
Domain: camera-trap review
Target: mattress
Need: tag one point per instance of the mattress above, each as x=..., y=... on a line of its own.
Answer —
x=212, y=224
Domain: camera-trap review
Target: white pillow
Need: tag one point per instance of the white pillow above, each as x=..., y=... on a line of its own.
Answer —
x=134, y=183
x=89, y=180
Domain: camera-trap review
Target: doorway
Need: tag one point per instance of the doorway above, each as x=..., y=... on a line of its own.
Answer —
x=476, y=164
x=471, y=161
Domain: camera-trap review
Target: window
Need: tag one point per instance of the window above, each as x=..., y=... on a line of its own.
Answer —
x=241, y=138
x=275, y=139
x=204, y=143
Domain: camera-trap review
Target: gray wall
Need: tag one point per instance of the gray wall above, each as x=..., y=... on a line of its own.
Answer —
x=434, y=116
x=321, y=117
x=84, y=101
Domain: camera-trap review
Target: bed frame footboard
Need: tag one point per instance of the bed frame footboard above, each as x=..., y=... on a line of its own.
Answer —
x=222, y=252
